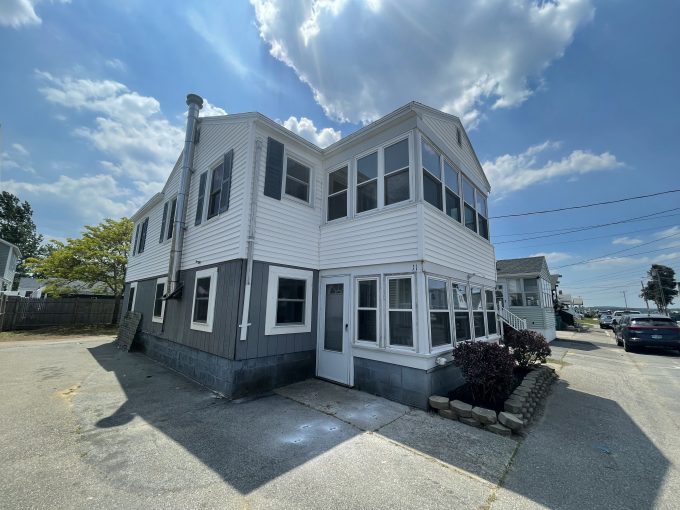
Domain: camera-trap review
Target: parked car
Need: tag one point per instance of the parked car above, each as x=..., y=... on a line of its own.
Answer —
x=648, y=330
x=605, y=321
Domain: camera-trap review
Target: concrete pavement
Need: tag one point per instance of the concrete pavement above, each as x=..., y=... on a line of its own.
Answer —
x=83, y=425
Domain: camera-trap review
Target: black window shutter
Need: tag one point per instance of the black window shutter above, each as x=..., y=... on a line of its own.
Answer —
x=165, y=217
x=201, y=198
x=134, y=249
x=142, y=236
x=273, y=176
x=226, y=180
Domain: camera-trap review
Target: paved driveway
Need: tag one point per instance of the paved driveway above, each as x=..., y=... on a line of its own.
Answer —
x=83, y=425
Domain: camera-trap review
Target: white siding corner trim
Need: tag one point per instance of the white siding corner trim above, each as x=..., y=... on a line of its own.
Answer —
x=208, y=324
x=275, y=273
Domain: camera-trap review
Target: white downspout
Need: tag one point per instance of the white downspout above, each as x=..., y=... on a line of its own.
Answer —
x=250, y=247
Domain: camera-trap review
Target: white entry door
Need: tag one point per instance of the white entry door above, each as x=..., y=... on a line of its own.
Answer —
x=333, y=351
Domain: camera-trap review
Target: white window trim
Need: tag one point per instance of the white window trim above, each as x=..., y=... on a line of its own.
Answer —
x=156, y=318
x=327, y=194
x=276, y=272
x=407, y=348
x=133, y=285
x=208, y=325
x=357, y=340
x=312, y=178
x=449, y=308
x=355, y=179
x=474, y=310
x=206, y=197
x=167, y=239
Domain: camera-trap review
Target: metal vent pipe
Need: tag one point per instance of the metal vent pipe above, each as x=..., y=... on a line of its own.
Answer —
x=195, y=103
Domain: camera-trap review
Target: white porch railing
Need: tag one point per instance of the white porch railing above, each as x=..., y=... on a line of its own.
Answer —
x=511, y=319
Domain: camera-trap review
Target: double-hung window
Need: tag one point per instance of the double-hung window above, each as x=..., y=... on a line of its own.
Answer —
x=136, y=243
x=337, y=194
x=469, y=199
x=142, y=236
x=367, y=310
x=159, y=302
x=400, y=311
x=397, y=178
x=452, y=190
x=491, y=324
x=461, y=312
x=515, y=292
x=220, y=188
x=477, y=311
x=367, y=182
x=289, y=305
x=531, y=292
x=132, y=295
x=440, y=323
x=203, y=308
x=432, y=179
x=215, y=191
x=482, y=215
x=297, y=180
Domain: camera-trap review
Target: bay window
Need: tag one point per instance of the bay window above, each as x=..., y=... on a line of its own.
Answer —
x=432, y=181
x=477, y=311
x=367, y=310
x=400, y=311
x=337, y=194
x=440, y=323
x=491, y=323
x=396, y=175
x=367, y=182
x=461, y=312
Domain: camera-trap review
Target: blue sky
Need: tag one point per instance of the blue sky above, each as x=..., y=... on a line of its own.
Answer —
x=566, y=102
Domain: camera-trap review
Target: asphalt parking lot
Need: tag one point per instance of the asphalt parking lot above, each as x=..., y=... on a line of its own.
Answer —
x=84, y=425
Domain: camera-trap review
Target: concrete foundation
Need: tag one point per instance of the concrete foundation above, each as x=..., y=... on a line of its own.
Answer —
x=232, y=378
x=410, y=386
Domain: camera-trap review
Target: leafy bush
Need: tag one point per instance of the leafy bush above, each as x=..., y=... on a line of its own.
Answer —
x=528, y=347
x=487, y=368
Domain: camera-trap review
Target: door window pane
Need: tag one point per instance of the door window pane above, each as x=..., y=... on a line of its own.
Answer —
x=333, y=320
x=397, y=187
x=290, y=304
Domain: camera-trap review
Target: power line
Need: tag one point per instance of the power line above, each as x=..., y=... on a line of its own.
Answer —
x=607, y=256
x=546, y=211
x=651, y=216
x=646, y=217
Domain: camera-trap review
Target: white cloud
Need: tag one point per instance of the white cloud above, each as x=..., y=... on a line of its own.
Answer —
x=115, y=64
x=17, y=157
x=305, y=128
x=669, y=232
x=363, y=59
x=512, y=172
x=19, y=13
x=210, y=110
x=91, y=198
x=627, y=241
x=553, y=257
x=128, y=128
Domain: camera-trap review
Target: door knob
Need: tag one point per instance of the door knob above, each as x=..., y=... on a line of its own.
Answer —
x=346, y=327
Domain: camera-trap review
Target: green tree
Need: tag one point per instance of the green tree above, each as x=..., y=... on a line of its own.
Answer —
x=98, y=258
x=17, y=227
x=661, y=287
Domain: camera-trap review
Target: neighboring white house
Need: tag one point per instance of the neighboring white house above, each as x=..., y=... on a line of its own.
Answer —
x=525, y=287
x=361, y=263
x=9, y=258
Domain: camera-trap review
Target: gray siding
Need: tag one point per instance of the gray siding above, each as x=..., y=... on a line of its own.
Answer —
x=4, y=254
x=177, y=326
x=258, y=344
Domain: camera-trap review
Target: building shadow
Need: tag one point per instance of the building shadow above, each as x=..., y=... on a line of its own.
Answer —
x=584, y=443
x=581, y=345
x=587, y=452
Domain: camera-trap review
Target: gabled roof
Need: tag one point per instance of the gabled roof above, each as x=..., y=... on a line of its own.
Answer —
x=527, y=265
x=18, y=252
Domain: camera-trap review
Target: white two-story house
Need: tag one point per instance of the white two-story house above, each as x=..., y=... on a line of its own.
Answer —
x=266, y=259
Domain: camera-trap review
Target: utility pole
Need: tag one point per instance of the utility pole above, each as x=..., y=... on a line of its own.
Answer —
x=645, y=295
x=624, y=298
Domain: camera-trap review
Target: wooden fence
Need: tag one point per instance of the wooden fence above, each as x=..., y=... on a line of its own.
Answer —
x=30, y=313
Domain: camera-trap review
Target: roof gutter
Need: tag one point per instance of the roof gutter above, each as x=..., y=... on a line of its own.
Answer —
x=195, y=103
